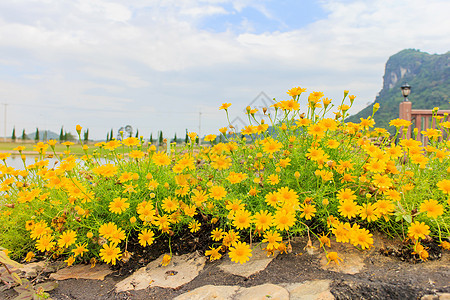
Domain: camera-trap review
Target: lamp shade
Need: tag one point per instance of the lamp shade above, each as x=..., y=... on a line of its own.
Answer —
x=406, y=90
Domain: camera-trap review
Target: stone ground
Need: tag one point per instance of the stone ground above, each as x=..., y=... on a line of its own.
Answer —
x=300, y=274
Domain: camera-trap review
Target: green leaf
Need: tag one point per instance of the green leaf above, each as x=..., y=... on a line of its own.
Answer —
x=408, y=218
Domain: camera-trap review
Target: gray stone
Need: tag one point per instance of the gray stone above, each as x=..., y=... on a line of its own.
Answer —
x=181, y=270
x=82, y=272
x=262, y=292
x=209, y=292
x=310, y=290
x=353, y=259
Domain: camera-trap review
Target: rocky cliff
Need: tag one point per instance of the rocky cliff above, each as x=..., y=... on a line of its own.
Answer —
x=428, y=75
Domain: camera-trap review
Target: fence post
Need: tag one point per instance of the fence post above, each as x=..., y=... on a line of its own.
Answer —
x=405, y=114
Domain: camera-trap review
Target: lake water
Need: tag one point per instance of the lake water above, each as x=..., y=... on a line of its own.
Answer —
x=16, y=162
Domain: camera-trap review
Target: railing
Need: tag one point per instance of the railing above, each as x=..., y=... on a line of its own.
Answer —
x=422, y=119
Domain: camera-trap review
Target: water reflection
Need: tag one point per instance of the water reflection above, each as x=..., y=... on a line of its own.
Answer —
x=16, y=161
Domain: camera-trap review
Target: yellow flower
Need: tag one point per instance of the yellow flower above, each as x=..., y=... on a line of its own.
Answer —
x=418, y=230
x=324, y=240
x=29, y=257
x=170, y=204
x=263, y=220
x=225, y=106
x=194, y=226
x=217, y=234
x=213, y=253
x=70, y=261
x=217, y=192
x=283, y=219
x=242, y=219
x=45, y=243
x=166, y=260
x=160, y=159
x=444, y=186
x=210, y=138
x=308, y=211
x=348, y=209
x=240, y=252
x=333, y=256
x=146, y=237
x=67, y=238
x=118, y=205
x=432, y=208
x=272, y=238
x=110, y=253
x=80, y=249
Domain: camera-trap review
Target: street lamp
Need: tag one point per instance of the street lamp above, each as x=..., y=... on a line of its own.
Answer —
x=406, y=90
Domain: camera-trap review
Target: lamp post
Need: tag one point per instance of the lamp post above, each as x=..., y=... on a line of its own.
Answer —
x=406, y=90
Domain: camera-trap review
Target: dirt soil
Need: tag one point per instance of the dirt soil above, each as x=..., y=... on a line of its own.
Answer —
x=389, y=273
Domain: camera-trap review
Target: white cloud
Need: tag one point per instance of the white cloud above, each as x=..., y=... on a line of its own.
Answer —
x=154, y=57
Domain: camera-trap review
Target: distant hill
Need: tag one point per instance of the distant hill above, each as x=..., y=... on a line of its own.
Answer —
x=43, y=135
x=429, y=77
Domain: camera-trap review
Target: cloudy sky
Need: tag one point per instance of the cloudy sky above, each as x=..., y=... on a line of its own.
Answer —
x=169, y=64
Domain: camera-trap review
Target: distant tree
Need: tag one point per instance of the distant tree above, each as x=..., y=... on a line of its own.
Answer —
x=24, y=135
x=186, y=138
x=107, y=136
x=137, y=133
x=13, y=137
x=68, y=136
x=161, y=139
x=111, y=134
x=61, y=134
x=175, y=137
x=36, y=136
x=86, y=135
x=151, y=138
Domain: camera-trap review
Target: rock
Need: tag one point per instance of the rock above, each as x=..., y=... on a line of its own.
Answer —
x=263, y=292
x=82, y=272
x=181, y=270
x=258, y=262
x=32, y=269
x=209, y=292
x=353, y=260
x=310, y=290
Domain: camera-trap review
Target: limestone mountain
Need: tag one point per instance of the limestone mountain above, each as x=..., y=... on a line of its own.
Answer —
x=429, y=77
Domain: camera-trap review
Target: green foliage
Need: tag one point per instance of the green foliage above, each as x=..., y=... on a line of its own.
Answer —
x=36, y=136
x=61, y=134
x=24, y=136
x=13, y=136
x=429, y=77
x=161, y=138
x=86, y=135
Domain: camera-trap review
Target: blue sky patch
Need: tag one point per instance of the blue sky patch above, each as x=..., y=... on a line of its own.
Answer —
x=270, y=16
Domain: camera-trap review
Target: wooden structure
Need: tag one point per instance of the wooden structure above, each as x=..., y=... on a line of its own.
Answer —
x=420, y=119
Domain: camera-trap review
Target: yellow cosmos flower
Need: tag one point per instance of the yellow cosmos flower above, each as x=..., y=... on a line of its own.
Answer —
x=118, y=205
x=67, y=238
x=418, y=230
x=240, y=252
x=432, y=208
x=146, y=237
x=110, y=253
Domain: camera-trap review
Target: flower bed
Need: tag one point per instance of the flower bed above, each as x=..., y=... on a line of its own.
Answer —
x=305, y=174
